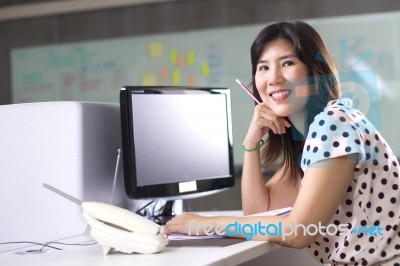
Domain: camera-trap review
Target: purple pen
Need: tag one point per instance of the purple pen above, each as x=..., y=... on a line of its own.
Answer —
x=248, y=91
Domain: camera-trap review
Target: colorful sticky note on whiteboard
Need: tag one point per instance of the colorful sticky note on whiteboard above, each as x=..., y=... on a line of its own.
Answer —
x=164, y=73
x=181, y=61
x=191, y=79
x=173, y=56
x=205, y=69
x=176, y=77
x=190, y=57
x=155, y=49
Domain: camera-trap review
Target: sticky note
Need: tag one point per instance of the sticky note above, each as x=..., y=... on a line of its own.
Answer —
x=164, y=73
x=149, y=79
x=190, y=57
x=181, y=61
x=155, y=49
x=205, y=69
x=176, y=77
x=173, y=56
x=191, y=79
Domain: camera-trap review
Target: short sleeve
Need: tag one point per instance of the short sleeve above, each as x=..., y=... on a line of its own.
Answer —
x=334, y=132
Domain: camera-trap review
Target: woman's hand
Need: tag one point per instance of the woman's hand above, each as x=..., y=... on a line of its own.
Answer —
x=187, y=223
x=264, y=120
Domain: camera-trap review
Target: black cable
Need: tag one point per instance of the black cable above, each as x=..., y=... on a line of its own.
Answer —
x=87, y=243
x=138, y=211
x=187, y=208
x=159, y=211
x=161, y=214
x=73, y=244
x=29, y=242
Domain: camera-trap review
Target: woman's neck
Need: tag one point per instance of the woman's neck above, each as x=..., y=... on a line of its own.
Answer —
x=297, y=121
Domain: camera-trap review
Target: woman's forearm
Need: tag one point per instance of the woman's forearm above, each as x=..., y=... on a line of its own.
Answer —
x=255, y=196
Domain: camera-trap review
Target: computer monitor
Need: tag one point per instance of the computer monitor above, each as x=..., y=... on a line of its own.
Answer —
x=177, y=141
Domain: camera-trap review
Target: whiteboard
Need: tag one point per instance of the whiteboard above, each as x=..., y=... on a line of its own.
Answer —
x=96, y=70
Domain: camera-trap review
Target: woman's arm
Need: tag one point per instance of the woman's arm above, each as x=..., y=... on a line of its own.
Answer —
x=323, y=188
x=282, y=190
x=256, y=196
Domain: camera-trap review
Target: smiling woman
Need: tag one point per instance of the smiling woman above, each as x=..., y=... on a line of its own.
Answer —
x=335, y=168
x=277, y=65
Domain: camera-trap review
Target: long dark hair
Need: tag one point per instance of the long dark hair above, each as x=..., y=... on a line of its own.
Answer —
x=285, y=150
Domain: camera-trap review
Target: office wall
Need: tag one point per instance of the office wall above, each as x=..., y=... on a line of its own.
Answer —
x=178, y=17
x=105, y=35
x=168, y=18
x=96, y=70
x=162, y=18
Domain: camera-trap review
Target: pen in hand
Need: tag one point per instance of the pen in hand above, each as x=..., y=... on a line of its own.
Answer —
x=248, y=91
x=257, y=101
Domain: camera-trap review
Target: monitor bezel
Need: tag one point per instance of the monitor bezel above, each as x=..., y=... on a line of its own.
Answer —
x=169, y=191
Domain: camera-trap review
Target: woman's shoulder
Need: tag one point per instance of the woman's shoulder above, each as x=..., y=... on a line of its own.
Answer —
x=335, y=132
x=340, y=107
x=339, y=119
x=340, y=111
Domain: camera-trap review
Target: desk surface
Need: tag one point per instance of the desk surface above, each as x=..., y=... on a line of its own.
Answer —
x=92, y=255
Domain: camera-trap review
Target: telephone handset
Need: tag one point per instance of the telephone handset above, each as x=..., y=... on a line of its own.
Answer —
x=117, y=229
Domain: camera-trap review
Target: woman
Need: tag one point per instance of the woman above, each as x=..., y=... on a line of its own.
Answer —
x=335, y=169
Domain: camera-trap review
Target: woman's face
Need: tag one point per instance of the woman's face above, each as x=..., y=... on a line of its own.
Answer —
x=282, y=79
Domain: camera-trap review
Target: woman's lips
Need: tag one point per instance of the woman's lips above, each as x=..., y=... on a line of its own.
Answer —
x=279, y=95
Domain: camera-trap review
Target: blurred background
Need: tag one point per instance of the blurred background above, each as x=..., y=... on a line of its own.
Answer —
x=86, y=50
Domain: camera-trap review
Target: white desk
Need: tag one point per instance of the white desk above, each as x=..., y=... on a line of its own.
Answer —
x=92, y=255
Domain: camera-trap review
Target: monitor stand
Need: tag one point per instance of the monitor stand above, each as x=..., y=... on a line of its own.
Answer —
x=170, y=209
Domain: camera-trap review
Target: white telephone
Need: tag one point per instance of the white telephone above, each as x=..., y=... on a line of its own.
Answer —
x=117, y=229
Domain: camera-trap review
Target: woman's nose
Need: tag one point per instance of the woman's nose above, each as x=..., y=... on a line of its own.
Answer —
x=275, y=77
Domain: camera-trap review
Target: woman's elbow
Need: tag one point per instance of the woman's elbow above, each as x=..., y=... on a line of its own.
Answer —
x=296, y=241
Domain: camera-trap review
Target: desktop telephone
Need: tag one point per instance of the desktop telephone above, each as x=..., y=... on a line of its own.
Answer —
x=117, y=229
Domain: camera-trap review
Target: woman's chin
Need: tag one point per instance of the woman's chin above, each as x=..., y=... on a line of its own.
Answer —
x=281, y=113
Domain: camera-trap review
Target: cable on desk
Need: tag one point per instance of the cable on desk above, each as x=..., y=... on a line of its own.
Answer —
x=87, y=243
x=159, y=214
x=47, y=244
x=139, y=211
x=29, y=242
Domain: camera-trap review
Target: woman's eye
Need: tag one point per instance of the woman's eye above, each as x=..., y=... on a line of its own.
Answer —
x=262, y=68
x=288, y=63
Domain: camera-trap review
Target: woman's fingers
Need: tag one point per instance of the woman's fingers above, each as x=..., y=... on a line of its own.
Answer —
x=287, y=123
x=187, y=223
x=263, y=121
x=264, y=117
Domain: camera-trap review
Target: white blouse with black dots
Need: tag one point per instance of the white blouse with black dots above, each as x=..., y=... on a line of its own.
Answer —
x=373, y=197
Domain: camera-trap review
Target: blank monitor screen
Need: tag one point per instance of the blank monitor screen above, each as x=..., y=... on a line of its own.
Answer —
x=177, y=141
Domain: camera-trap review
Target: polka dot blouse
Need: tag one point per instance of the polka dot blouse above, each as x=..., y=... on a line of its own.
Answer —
x=372, y=198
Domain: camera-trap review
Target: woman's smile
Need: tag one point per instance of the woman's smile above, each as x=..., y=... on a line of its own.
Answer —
x=280, y=94
x=278, y=69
